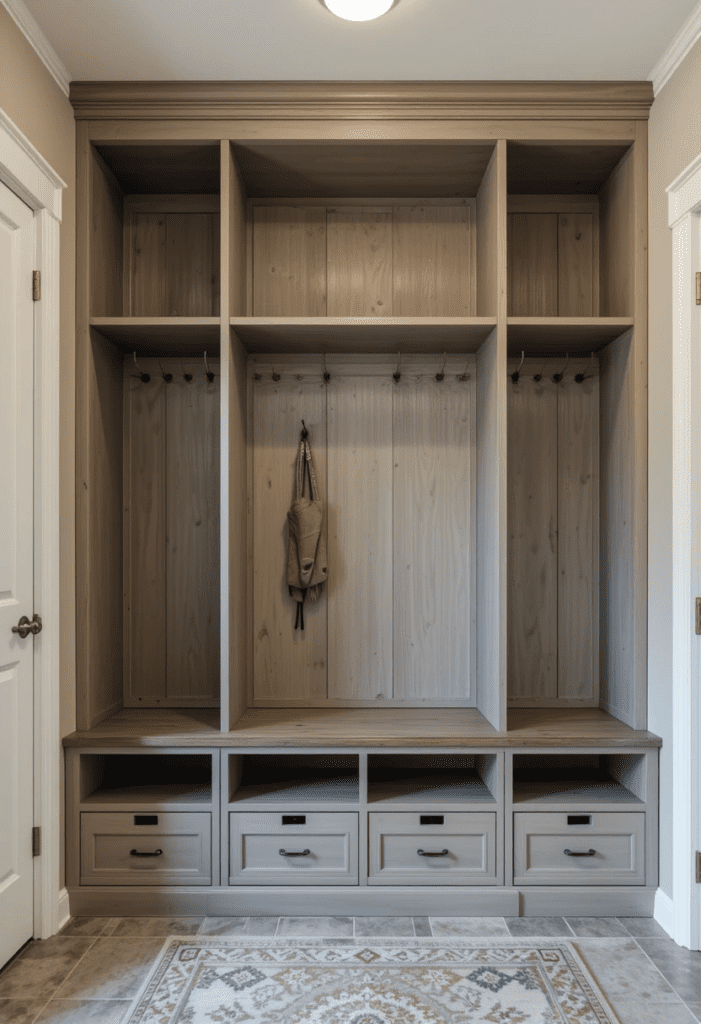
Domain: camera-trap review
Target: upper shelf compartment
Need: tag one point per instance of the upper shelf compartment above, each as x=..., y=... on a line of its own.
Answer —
x=155, y=230
x=570, y=229
x=351, y=228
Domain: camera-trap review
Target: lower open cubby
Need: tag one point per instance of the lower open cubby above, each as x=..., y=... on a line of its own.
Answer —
x=459, y=832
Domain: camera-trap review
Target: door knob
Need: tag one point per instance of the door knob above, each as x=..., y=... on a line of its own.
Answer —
x=24, y=627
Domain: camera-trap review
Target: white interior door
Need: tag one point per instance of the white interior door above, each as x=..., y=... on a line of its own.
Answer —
x=16, y=571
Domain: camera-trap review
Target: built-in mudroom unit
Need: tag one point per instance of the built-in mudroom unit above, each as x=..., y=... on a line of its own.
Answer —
x=440, y=289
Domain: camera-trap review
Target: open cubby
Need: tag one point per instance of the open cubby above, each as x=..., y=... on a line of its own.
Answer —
x=570, y=230
x=432, y=780
x=145, y=779
x=156, y=238
x=549, y=780
x=295, y=779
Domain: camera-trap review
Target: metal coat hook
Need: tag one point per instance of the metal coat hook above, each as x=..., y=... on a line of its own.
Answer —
x=397, y=376
x=581, y=377
x=441, y=375
x=208, y=372
x=305, y=432
x=145, y=377
x=276, y=375
x=537, y=377
x=186, y=376
x=464, y=375
x=515, y=376
x=327, y=375
x=167, y=377
x=557, y=377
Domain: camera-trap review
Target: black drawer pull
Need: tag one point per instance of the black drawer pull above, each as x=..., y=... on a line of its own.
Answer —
x=293, y=853
x=138, y=853
x=294, y=819
x=428, y=853
x=586, y=853
x=145, y=819
x=431, y=819
x=579, y=819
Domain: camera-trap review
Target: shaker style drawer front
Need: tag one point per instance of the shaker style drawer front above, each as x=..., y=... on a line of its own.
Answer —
x=579, y=849
x=145, y=849
x=293, y=849
x=432, y=849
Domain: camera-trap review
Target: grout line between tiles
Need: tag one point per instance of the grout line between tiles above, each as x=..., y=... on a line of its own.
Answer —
x=661, y=973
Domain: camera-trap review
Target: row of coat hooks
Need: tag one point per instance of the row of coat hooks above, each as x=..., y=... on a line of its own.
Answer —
x=579, y=378
x=396, y=376
x=168, y=377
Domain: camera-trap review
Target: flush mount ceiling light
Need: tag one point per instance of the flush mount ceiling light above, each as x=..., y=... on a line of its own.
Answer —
x=359, y=10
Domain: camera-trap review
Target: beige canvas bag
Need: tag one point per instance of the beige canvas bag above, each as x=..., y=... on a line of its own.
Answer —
x=306, y=550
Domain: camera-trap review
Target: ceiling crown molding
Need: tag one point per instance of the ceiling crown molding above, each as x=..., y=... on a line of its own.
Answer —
x=41, y=45
x=677, y=50
x=360, y=100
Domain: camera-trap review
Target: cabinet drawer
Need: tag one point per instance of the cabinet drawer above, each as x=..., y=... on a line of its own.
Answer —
x=416, y=849
x=135, y=849
x=611, y=848
x=293, y=849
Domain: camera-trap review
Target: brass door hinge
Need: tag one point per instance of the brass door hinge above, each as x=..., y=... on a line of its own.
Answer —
x=36, y=841
x=698, y=866
x=697, y=618
x=36, y=285
x=698, y=288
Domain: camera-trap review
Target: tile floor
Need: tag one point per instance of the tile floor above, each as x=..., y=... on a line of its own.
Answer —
x=90, y=972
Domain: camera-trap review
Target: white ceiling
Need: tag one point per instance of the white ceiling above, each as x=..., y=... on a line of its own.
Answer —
x=418, y=39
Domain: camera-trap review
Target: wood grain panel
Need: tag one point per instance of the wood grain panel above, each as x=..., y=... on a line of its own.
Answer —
x=289, y=261
x=192, y=535
x=103, y=540
x=190, y=270
x=577, y=551
x=106, y=239
x=575, y=264
x=533, y=273
x=287, y=663
x=359, y=470
x=146, y=292
x=434, y=607
x=359, y=261
x=145, y=537
x=433, y=261
x=617, y=240
x=532, y=549
x=490, y=218
x=491, y=529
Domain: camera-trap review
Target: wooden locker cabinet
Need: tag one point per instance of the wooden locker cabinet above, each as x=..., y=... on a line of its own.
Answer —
x=447, y=283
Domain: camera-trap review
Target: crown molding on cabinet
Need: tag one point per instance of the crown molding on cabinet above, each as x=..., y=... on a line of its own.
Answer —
x=41, y=45
x=688, y=35
x=360, y=100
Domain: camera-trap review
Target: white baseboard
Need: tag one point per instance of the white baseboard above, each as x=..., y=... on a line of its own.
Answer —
x=64, y=909
x=664, y=912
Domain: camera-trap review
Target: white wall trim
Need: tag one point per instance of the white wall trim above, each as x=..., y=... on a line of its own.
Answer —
x=34, y=35
x=29, y=176
x=64, y=910
x=686, y=37
x=664, y=911
x=685, y=220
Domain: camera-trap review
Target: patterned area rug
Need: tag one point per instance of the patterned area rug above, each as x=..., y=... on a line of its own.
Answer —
x=199, y=980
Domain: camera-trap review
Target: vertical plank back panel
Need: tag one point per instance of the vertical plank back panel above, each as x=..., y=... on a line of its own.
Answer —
x=618, y=539
x=577, y=551
x=144, y=537
x=491, y=528
x=617, y=240
x=490, y=226
x=359, y=261
x=192, y=535
x=533, y=265
x=532, y=546
x=359, y=468
x=189, y=267
x=106, y=238
x=289, y=261
x=145, y=277
x=432, y=261
x=287, y=663
x=434, y=606
x=575, y=267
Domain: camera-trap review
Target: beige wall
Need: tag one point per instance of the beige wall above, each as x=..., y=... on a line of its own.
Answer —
x=675, y=139
x=33, y=100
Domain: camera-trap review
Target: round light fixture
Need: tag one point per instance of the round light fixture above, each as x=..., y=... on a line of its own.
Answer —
x=359, y=10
